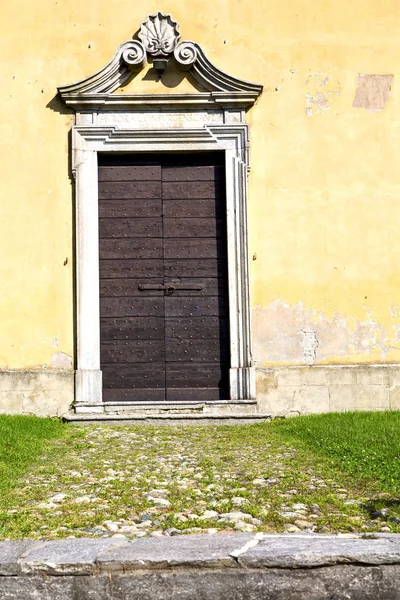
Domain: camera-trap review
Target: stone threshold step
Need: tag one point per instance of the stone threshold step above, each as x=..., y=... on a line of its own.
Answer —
x=164, y=419
x=181, y=407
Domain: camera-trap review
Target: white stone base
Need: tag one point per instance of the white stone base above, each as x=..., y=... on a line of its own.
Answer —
x=286, y=391
x=88, y=390
x=37, y=392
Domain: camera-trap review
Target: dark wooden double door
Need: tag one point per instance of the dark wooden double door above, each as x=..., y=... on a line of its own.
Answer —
x=164, y=325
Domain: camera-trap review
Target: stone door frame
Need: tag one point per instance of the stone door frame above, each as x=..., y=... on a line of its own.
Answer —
x=87, y=142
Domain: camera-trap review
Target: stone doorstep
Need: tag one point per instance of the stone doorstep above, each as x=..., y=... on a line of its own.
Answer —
x=208, y=412
x=216, y=407
x=137, y=418
x=164, y=407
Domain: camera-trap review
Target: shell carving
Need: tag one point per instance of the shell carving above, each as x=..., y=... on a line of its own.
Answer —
x=159, y=34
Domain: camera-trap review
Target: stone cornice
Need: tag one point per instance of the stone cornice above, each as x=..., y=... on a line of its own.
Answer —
x=152, y=101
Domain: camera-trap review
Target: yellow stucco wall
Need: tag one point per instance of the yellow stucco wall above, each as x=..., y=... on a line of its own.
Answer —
x=324, y=186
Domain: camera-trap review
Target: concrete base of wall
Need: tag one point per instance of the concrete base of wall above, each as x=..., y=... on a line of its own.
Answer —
x=286, y=391
x=37, y=392
x=217, y=567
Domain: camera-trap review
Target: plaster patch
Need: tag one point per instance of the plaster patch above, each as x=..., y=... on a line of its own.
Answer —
x=61, y=360
x=322, y=89
x=309, y=345
x=372, y=92
x=302, y=336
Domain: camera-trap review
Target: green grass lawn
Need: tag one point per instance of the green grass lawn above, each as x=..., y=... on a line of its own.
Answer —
x=22, y=440
x=364, y=444
x=57, y=480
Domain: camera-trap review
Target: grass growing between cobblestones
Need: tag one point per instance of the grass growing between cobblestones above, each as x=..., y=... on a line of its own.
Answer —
x=132, y=482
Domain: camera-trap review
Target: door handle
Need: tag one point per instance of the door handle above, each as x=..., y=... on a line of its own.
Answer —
x=170, y=288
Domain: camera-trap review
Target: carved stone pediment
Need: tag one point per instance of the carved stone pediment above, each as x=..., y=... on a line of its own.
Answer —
x=159, y=35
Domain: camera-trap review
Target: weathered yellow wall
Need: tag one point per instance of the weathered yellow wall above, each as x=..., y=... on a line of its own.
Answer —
x=324, y=185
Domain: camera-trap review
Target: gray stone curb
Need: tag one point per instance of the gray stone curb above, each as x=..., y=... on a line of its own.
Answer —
x=222, y=566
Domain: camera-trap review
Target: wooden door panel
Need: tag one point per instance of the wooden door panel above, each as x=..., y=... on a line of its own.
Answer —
x=192, y=190
x=130, y=208
x=131, y=269
x=128, y=288
x=210, y=306
x=132, y=328
x=132, y=351
x=132, y=348
x=198, y=328
x=197, y=286
x=194, y=248
x=143, y=375
x=199, y=208
x=133, y=227
x=141, y=248
x=149, y=395
x=194, y=268
x=192, y=227
x=132, y=307
x=196, y=394
x=199, y=351
x=129, y=189
x=203, y=173
x=130, y=173
x=187, y=375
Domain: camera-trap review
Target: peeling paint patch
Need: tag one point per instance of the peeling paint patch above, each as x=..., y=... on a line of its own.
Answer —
x=309, y=345
x=322, y=89
x=372, y=92
x=61, y=360
x=299, y=335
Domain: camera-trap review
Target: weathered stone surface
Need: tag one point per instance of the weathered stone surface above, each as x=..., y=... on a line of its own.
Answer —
x=337, y=582
x=220, y=567
x=304, y=551
x=10, y=553
x=37, y=392
x=194, y=550
x=75, y=556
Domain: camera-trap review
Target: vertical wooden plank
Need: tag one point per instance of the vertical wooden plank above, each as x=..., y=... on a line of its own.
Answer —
x=131, y=254
x=197, y=325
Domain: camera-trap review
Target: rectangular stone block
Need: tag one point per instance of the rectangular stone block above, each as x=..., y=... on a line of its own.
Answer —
x=328, y=388
x=313, y=399
x=342, y=397
x=51, y=396
x=371, y=397
x=373, y=375
x=394, y=397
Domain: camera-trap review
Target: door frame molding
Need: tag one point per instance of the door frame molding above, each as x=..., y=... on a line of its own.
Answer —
x=87, y=142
